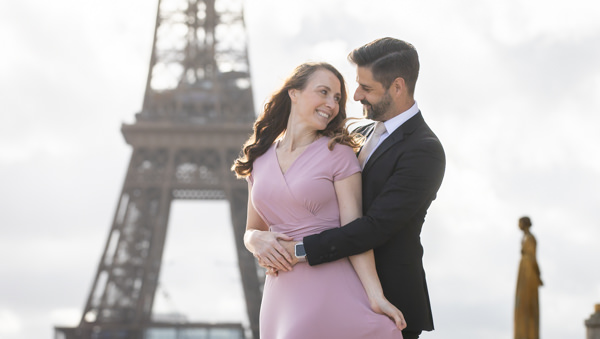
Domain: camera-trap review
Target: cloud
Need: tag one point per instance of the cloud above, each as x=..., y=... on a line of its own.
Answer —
x=10, y=323
x=517, y=21
x=65, y=316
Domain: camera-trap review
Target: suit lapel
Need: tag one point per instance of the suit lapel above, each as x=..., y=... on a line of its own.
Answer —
x=398, y=135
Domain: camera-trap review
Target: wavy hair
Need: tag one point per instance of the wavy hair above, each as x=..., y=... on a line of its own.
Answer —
x=272, y=123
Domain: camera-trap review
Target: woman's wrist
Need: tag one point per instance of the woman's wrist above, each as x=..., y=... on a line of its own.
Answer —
x=375, y=294
x=248, y=239
x=378, y=297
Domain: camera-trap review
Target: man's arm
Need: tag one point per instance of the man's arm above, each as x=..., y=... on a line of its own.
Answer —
x=408, y=191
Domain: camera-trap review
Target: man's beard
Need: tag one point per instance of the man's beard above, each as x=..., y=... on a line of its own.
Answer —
x=377, y=111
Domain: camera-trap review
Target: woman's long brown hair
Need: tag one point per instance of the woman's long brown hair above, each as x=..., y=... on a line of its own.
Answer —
x=272, y=123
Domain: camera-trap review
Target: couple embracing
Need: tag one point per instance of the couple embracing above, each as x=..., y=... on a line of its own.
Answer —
x=339, y=233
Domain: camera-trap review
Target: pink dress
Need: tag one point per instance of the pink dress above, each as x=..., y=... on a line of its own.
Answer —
x=325, y=301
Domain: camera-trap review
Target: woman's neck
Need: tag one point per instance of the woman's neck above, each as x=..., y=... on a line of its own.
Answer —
x=297, y=136
x=291, y=142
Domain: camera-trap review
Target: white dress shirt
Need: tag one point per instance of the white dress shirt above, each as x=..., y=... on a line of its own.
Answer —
x=395, y=122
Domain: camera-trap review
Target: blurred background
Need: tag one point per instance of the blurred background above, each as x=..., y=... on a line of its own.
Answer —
x=511, y=88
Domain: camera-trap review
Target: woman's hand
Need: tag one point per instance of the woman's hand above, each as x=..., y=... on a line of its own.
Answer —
x=265, y=246
x=383, y=306
x=272, y=271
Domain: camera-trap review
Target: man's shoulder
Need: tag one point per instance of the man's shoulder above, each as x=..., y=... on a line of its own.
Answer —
x=363, y=128
x=419, y=127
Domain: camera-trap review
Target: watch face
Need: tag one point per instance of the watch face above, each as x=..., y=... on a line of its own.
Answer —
x=300, y=250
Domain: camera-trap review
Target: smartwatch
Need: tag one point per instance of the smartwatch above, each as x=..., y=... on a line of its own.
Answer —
x=299, y=251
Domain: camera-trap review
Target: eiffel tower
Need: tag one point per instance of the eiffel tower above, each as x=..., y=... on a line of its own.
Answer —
x=196, y=114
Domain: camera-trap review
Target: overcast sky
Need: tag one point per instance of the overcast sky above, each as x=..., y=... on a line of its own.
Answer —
x=512, y=88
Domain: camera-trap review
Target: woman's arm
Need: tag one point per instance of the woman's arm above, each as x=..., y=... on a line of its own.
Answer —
x=349, y=196
x=262, y=243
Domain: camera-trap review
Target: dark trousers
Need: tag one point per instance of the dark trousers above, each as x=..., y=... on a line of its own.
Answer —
x=410, y=335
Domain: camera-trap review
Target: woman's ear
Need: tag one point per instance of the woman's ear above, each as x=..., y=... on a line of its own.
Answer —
x=292, y=93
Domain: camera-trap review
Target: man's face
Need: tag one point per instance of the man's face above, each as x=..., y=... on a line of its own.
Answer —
x=376, y=99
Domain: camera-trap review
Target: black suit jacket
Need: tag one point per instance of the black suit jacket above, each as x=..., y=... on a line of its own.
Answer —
x=400, y=181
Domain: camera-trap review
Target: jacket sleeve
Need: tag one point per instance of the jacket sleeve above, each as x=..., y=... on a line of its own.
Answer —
x=406, y=195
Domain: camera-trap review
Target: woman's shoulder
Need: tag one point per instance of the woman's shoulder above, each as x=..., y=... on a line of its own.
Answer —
x=337, y=152
x=341, y=159
x=339, y=148
x=262, y=158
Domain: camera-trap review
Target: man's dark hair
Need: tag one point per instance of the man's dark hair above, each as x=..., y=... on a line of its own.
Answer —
x=388, y=59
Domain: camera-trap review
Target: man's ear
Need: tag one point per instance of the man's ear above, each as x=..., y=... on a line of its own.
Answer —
x=399, y=85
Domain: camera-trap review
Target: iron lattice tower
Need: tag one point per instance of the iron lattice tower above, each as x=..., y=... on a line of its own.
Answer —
x=197, y=112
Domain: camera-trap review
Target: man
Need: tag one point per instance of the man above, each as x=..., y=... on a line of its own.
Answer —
x=401, y=177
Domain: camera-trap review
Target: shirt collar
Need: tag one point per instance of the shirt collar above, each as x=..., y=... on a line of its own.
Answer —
x=397, y=121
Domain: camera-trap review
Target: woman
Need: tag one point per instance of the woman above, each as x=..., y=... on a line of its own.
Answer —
x=303, y=177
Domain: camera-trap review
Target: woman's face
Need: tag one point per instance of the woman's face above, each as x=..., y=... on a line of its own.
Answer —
x=318, y=103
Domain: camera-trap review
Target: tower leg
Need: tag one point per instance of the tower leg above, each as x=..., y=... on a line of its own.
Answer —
x=248, y=268
x=123, y=290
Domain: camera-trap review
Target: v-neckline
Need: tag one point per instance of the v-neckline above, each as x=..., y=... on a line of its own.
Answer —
x=283, y=173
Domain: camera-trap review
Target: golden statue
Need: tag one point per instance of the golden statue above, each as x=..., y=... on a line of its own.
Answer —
x=527, y=309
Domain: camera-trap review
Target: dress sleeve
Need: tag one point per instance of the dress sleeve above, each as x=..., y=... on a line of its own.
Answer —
x=344, y=162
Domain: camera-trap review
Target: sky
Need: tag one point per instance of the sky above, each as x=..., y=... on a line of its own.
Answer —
x=512, y=89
